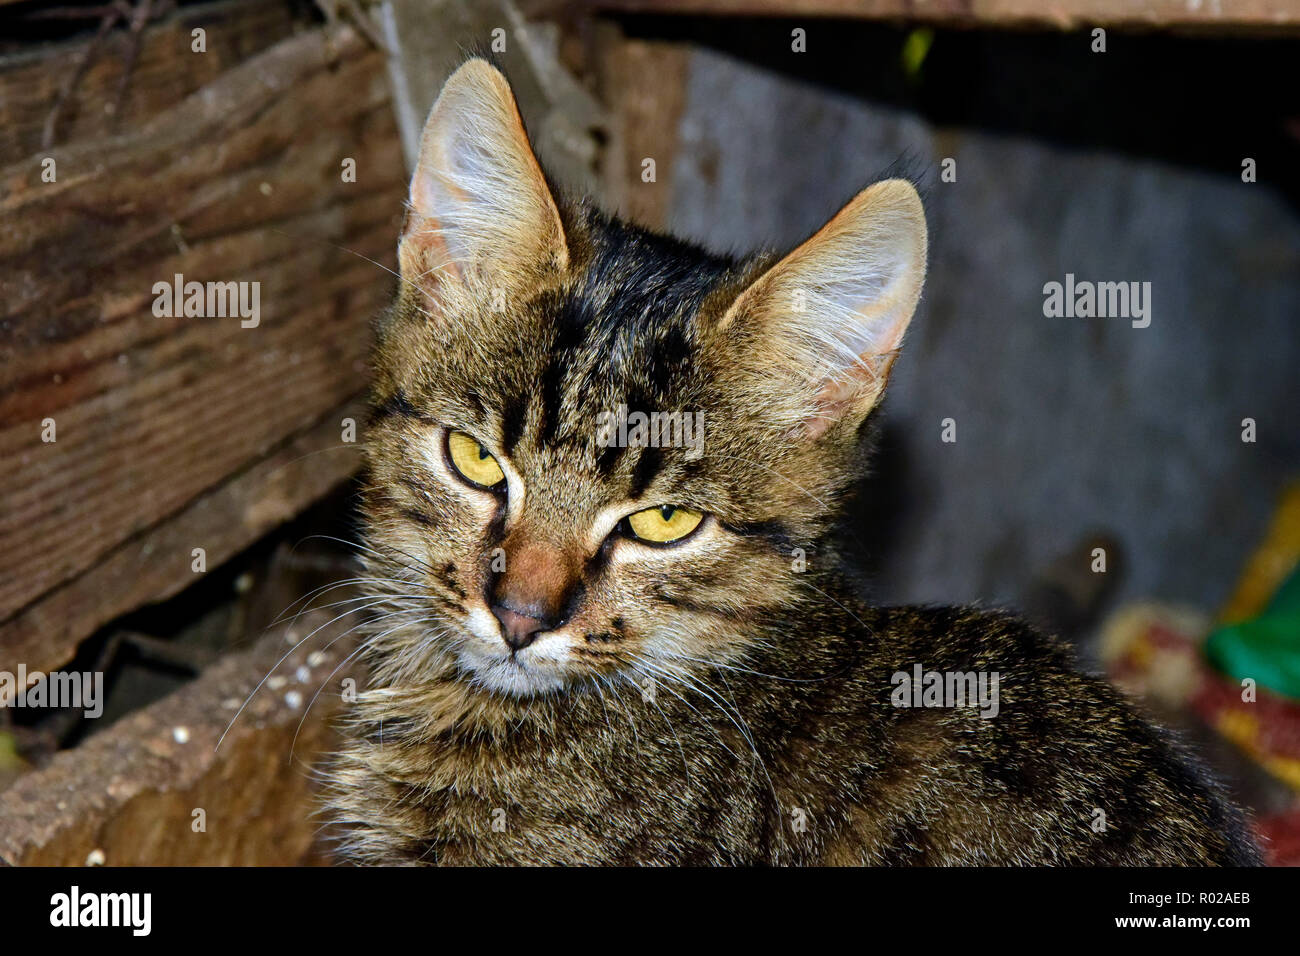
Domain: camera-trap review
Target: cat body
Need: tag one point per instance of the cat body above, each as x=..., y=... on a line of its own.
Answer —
x=640, y=651
x=825, y=771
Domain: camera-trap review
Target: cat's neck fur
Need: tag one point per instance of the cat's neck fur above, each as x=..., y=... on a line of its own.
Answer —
x=660, y=742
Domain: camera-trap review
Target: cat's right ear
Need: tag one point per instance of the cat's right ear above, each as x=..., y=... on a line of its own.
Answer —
x=481, y=213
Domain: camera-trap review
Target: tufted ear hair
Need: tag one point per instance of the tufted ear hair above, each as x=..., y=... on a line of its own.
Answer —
x=481, y=212
x=832, y=313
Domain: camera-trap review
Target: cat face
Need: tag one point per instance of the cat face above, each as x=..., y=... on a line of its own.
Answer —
x=599, y=454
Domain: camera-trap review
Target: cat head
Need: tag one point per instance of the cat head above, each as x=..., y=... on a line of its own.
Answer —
x=595, y=450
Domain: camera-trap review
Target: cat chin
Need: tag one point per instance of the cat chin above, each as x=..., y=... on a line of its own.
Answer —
x=507, y=675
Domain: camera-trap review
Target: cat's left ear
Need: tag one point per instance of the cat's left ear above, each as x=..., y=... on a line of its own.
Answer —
x=833, y=312
x=481, y=212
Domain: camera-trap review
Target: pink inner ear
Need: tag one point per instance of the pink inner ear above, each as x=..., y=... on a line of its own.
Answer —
x=860, y=387
x=433, y=197
x=423, y=251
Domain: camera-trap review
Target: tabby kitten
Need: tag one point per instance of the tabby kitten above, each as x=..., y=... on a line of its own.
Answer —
x=588, y=652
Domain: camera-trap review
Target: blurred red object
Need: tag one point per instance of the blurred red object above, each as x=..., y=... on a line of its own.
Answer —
x=1154, y=651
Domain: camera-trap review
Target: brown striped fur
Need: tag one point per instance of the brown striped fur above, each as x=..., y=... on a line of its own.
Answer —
x=715, y=701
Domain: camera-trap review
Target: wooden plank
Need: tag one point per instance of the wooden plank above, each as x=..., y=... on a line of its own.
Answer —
x=644, y=82
x=166, y=70
x=240, y=182
x=156, y=564
x=1261, y=15
x=129, y=793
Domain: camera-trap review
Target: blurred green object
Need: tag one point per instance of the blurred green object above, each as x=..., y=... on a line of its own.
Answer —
x=1266, y=648
x=9, y=757
x=915, y=48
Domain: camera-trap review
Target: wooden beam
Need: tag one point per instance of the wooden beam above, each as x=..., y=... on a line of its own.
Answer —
x=162, y=419
x=156, y=564
x=644, y=83
x=1259, y=15
x=129, y=794
x=165, y=71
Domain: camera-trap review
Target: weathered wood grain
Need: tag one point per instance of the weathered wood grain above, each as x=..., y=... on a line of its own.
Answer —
x=644, y=82
x=131, y=791
x=156, y=415
x=156, y=564
x=1260, y=15
x=165, y=71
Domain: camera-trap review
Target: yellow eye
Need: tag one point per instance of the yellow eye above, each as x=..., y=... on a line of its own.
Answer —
x=664, y=523
x=473, y=461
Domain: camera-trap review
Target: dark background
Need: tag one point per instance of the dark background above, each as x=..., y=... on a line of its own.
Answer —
x=1123, y=165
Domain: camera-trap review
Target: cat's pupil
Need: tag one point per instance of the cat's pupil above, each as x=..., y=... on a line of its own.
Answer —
x=667, y=511
x=482, y=453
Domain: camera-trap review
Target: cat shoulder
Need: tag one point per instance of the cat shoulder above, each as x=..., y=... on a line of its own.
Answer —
x=968, y=636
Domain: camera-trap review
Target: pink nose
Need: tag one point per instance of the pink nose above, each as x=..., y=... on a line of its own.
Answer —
x=517, y=629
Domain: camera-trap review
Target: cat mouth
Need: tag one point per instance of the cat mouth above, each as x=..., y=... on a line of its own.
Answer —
x=508, y=673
